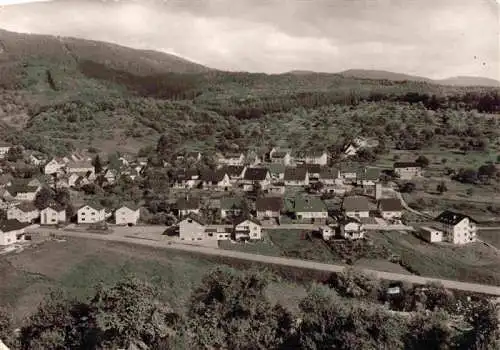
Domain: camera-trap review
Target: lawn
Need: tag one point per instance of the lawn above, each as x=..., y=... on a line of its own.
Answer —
x=473, y=263
x=76, y=266
x=264, y=247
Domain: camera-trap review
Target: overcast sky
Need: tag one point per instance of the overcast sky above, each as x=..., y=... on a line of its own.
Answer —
x=433, y=38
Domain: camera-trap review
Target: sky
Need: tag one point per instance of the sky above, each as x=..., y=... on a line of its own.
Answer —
x=431, y=38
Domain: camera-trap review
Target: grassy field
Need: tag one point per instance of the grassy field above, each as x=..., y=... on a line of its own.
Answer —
x=472, y=263
x=492, y=237
x=76, y=266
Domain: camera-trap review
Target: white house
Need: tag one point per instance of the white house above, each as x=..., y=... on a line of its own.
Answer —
x=127, y=215
x=4, y=149
x=256, y=175
x=327, y=232
x=12, y=231
x=352, y=229
x=310, y=210
x=21, y=192
x=457, y=228
x=280, y=156
x=218, y=180
x=249, y=228
x=390, y=208
x=235, y=172
x=407, y=170
x=231, y=159
x=330, y=176
x=192, y=228
x=25, y=212
x=188, y=205
x=53, y=215
x=430, y=234
x=356, y=207
x=90, y=214
x=231, y=207
x=186, y=179
x=54, y=166
x=319, y=158
x=81, y=167
x=296, y=177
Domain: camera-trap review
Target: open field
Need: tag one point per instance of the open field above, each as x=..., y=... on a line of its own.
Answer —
x=77, y=265
x=474, y=263
x=491, y=236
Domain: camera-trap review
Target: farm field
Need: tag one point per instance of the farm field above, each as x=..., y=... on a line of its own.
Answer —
x=77, y=266
x=475, y=263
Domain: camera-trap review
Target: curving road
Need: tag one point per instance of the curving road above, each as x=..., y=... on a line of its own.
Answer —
x=304, y=264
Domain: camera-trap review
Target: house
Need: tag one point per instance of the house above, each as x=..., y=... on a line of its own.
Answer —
x=350, y=150
x=430, y=234
x=268, y=207
x=390, y=208
x=111, y=175
x=80, y=156
x=330, y=176
x=81, y=167
x=219, y=232
x=217, y=179
x=351, y=228
x=248, y=228
x=256, y=175
x=253, y=159
x=21, y=192
x=192, y=156
x=231, y=207
x=356, y=207
x=326, y=232
x=12, y=231
x=33, y=182
x=296, y=177
x=188, y=205
x=280, y=156
x=90, y=214
x=231, y=159
x=314, y=170
x=185, y=179
x=277, y=188
x=53, y=215
x=80, y=179
x=277, y=171
x=368, y=177
x=192, y=227
x=54, y=166
x=235, y=172
x=311, y=210
x=127, y=215
x=349, y=174
x=407, y=170
x=457, y=228
x=24, y=212
x=36, y=159
x=319, y=158
x=4, y=149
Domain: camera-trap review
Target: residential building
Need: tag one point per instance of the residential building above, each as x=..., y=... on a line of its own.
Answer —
x=349, y=174
x=268, y=207
x=231, y=207
x=231, y=159
x=248, y=229
x=111, y=175
x=192, y=227
x=186, y=179
x=21, y=192
x=407, y=170
x=80, y=179
x=457, y=228
x=277, y=171
x=192, y=156
x=352, y=228
x=36, y=159
x=318, y=158
x=128, y=214
x=12, y=231
x=330, y=176
x=280, y=156
x=390, y=208
x=80, y=167
x=54, y=166
x=277, y=188
x=219, y=232
x=350, y=150
x=311, y=210
x=188, y=205
x=24, y=212
x=296, y=177
x=4, y=149
x=368, y=177
x=327, y=232
x=256, y=175
x=313, y=171
x=430, y=234
x=235, y=172
x=218, y=180
x=53, y=215
x=356, y=207
x=90, y=214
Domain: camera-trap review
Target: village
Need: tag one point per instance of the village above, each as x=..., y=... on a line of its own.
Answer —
x=239, y=200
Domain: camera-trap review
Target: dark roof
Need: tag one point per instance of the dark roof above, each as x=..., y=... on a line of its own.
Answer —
x=15, y=189
x=276, y=168
x=188, y=203
x=183, y=175
x=331, y=173
x=131, y=206
x=256, y=174
x=311, y=168
x=249, y=218
x=233, y=170
x=355, y=203
x=449, y=217
x=308, y=205
x=194, y=217
x=96, y=206
x=26, y=207
x=390, y=204
x=311, y=154
x=212, y=176
x=269, y=203
x=406, y=165
x=11, y=225
x=295, y=174
x=372, y=174
x=229, y=203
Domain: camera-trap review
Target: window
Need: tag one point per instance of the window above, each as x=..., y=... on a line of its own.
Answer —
x=210, y=234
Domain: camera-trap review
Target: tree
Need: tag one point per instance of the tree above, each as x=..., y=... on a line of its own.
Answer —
x=43, y=198
x=97, y=164
x=423, y=161
x=466, y=176
x=430, y=332
x=485, y=332
x=14, y=154
x=353, y=283
x=408, y=187
x=6, y=327
x=441, y=187
x=230, y=310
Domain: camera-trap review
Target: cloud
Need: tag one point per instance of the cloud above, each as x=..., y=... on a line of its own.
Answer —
x=17, y=2
x=424, y=37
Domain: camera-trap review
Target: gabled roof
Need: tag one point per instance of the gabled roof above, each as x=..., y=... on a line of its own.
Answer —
x=15, y=189
x=369, y=174
x=195, y=217
x=131, y=206
x=255, y=174
x=233, y=170
x=12, y=225
x=26, y=207
x=269, y=203
x=449, y=217
x=80, y=164
x=188, y=203
x=311, y=154
x=311, y=168
x=355, y=203
x=308, y=204
x=251, y=219
x=96, y=206
x=212, y=176
x=407, y=165
x=276, y=168
x=390, y=204
x=295, y=174
x=331, y=173
x=231, y=203
x=232, y=155
x=55, y=206
x=279, y=154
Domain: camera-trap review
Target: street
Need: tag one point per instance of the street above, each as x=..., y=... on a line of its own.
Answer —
x=172, y=243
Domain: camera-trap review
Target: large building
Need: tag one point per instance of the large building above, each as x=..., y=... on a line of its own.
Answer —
x=407, y=170
x=451, y=227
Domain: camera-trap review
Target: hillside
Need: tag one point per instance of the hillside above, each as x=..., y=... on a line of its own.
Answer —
x=382, y=75
x=469, y=81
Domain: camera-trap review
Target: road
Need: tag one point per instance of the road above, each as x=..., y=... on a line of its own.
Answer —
x=296, y=263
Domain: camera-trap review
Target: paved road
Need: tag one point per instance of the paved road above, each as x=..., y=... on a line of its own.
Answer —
x=469, y=287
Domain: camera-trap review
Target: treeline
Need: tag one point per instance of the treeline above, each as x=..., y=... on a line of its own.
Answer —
x=230, y=310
